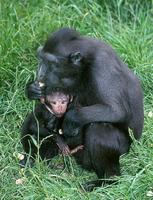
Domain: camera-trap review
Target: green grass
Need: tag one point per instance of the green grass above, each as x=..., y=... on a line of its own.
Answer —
x=127, y=26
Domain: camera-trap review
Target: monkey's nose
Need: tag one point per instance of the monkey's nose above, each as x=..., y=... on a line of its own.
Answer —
x=60, y=110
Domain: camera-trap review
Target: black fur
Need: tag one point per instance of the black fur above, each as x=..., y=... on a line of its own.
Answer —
x=43, y=127
x=109, y=93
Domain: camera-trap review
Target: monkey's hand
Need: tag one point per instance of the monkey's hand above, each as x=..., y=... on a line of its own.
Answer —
x=71, y=125
x=76, y=149
x=64, y=148
x=33, y=90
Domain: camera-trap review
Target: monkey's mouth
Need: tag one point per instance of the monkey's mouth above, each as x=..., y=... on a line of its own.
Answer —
x=41, y=84
x=49, y=89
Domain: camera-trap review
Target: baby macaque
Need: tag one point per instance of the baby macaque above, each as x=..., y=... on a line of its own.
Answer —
x=44, y=126
x=57, y=103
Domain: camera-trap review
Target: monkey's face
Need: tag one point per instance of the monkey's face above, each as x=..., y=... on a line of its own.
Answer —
x=57, y=102
x=59, y=73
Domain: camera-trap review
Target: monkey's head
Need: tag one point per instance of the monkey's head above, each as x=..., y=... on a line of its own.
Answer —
x=57, y=102
x=60, y=73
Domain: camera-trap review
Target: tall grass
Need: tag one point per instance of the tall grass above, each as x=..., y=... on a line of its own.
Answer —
x=127, y=27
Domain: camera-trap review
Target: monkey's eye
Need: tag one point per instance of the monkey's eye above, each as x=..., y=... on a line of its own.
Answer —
x=64, y=102
x=53, y=102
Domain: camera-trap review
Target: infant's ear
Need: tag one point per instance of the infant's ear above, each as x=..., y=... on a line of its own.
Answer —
x=75, y=58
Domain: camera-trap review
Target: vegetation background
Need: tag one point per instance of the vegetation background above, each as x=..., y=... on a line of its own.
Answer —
x=127, y=25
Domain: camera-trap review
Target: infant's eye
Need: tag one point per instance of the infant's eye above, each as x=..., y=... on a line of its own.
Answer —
x=53, y=102
x=64, y=102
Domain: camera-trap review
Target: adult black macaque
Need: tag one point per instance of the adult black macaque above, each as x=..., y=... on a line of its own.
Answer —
x=109, y=93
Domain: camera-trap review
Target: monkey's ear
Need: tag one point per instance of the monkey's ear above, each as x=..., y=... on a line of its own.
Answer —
x=75, y=58
x=40, y=51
